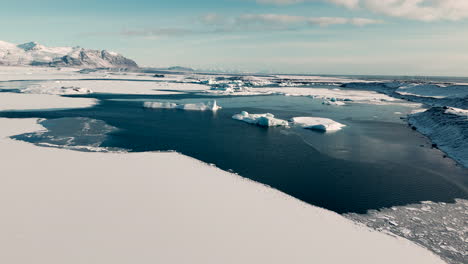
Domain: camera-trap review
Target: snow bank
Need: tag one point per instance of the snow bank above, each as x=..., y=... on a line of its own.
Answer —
x=14, y=101
x=342, y=95
x=446, y=127
x=434, y=90
x=267, y=119
x=209, y=106
x=457, y=111
x=317, y=123
x=60, y=90
x=112, y=87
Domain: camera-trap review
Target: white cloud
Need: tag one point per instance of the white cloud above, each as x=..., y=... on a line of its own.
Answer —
x=327, y=21
x=423, y=10
x=346, y=3
x=216, y=24
x=269, y=19
x=276, y=21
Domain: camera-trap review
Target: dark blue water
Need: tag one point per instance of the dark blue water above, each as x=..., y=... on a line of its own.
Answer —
x=376, y=161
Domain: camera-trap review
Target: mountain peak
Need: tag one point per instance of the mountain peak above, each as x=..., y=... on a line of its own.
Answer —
x=33, y=53
x=33, y=45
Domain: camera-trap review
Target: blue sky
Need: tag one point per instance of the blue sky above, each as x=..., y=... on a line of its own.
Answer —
x=392, y=37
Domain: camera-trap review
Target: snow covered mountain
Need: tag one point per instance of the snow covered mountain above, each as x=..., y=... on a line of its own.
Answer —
x=33, y=53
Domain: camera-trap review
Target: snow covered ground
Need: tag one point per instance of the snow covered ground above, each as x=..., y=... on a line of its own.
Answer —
x=63, y=206
x=14, y=101
x=114, y=87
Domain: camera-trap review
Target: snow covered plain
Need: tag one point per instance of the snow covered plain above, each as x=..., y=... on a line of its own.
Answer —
x=14, y=101
x=63, y=206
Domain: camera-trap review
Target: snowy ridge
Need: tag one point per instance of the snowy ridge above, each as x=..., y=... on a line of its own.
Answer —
x=35, y=54
x=448, y=128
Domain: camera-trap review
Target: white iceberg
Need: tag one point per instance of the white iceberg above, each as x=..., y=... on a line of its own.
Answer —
x=457, y=111
x=209, y=106
x=317, y=123
x=267, y=119
x=332, y=101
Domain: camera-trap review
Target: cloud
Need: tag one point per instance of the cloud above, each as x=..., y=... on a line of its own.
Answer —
x=159, y=32
x=422, y=10
x=282, y=22
x=212, y=24
x=346, y=3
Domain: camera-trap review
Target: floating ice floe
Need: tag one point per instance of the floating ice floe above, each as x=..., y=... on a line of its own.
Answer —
x=317, y=123
x=333, y=101
x=63, y=90
x=267, y=119
x=209, y=106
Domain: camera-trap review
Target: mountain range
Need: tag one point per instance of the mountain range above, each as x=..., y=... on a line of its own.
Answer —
x=35, y=54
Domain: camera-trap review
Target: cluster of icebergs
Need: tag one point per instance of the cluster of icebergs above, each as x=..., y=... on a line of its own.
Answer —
x=209, y=106
x=269, y=120
x=265, y=120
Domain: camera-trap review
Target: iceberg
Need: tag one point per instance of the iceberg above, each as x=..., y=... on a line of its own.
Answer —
x=209, y=106
x=457, y=111
x=332, y=101
x=317, y=123
x=266, y=120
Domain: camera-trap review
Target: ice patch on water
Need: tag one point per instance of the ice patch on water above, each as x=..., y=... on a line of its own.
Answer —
x=62, y=90
x=83, y=134
x=317, y=123
x=440, y=227
x=209, y=106
x=333, y=101
x=266, y=120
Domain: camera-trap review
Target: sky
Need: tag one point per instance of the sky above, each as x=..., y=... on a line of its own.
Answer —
x=378, y=37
